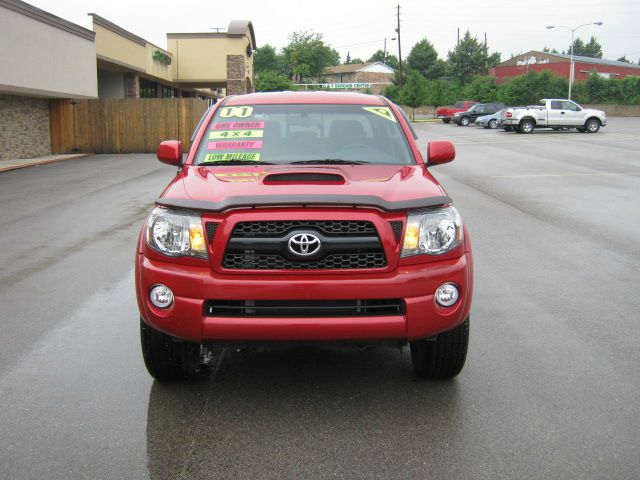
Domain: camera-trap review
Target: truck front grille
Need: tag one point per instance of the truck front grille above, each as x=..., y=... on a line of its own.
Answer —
x=264, y=245
x=304, y=308
x=328, y=227
x=277, y=262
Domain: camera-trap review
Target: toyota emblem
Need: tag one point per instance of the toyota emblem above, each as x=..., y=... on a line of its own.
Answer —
x=304, y=244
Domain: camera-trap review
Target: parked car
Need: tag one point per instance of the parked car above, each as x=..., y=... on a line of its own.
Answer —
x=556, y=114
x=463, y=119
x=491, y=121
x=303, y=217
x=446, y=113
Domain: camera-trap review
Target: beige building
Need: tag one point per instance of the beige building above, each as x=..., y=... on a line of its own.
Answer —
x=46, y=59
x=377, y=74
x=193, y=65
x=42, y=57
x=221, y=60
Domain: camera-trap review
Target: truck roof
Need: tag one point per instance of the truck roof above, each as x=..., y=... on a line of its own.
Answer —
x=351, y=98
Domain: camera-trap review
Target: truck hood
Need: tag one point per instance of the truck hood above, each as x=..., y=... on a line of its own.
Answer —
x=390, y=187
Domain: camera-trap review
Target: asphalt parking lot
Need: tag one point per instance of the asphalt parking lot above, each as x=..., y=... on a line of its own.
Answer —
x=551, y=388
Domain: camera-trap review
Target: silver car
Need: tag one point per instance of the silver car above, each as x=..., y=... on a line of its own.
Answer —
x=491, y=121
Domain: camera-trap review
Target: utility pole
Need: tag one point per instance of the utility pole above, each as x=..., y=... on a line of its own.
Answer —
x=458, y=42
x=399, y=49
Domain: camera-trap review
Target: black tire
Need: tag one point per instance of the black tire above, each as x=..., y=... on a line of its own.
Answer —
x=464, y=121
x=168, y=358
x=493, y=123
x=442, y=357
x=526, y=126
x=592, y=125
x=446, y=120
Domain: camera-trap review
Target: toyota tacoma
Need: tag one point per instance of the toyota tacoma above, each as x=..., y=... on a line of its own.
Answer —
x=306, y=217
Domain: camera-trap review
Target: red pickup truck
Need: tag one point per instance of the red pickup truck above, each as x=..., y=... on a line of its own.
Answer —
x=303, y=217
x=446, y=113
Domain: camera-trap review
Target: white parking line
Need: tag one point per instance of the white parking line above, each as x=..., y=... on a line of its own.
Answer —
x=564, y=175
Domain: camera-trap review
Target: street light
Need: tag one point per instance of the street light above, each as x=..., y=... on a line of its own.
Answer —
x=573, y=31
x=384, y=57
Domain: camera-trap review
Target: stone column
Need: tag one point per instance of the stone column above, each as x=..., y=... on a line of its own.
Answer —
x=236, y=83
x=131, y=85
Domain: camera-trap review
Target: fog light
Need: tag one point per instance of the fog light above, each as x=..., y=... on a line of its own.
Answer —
x=161, y=296
x=447, y=294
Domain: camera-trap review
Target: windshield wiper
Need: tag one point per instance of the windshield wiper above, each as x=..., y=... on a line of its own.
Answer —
x=333, y=160
x=233, y=162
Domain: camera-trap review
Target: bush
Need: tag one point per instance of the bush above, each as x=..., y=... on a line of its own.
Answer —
x=481, y=89
x=272, y=82
x=393, y=93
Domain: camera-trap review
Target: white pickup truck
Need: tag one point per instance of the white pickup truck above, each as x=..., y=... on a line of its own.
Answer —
x=554, y=113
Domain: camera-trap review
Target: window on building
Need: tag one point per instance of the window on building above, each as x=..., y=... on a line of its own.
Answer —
x=169, y=92
x=147, y=88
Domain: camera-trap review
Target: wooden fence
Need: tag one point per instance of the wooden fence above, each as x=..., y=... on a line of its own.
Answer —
x=122, y=126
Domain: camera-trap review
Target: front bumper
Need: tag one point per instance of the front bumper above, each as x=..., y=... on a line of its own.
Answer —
x=194, y=285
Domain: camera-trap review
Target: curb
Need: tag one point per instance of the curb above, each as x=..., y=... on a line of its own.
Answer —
x=34, y=163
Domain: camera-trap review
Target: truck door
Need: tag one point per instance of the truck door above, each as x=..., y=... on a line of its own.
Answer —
x=556, y=113
x=574, y=117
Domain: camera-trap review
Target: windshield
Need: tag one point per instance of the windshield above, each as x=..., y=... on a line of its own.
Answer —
x=304, y=134
x=458, y=105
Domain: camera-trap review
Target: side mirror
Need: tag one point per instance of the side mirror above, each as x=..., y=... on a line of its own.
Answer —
x=439, y=152
x=170, y=152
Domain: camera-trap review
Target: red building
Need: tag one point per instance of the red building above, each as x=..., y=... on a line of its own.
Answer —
x=558, y=63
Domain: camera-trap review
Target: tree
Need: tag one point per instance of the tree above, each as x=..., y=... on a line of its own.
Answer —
x=470, y=57
x=391, y=60
x=414, y=93
x=307, y=56
x=271, y=81
x=266, y=59
x=439, y=93
x=546, y=50
x=393, y=93
x=597, y=88
x=424, y=58
x=530, y=88
x=352, y=61
x=591, y=49
x=481, y=89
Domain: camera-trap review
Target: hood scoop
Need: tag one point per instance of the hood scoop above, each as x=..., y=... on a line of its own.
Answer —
x=315, y=178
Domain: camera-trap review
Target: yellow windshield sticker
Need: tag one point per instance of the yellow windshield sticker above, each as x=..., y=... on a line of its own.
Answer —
x=239, y=134
x=221, y=157
x=384, y=112
x=238, y=112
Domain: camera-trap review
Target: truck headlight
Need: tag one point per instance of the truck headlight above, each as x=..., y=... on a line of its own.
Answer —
x=176, y=233
x=432, y=232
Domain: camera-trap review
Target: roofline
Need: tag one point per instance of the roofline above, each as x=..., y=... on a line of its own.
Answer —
x=48, y=18
x=103, y=22
x=580, y=59
x=203, y=35
x=232, y=32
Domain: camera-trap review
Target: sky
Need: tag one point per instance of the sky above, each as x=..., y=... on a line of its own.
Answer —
x=359, y=28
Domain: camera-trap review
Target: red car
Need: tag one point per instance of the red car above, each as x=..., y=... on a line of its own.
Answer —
x=304, y=217
x=447, y=113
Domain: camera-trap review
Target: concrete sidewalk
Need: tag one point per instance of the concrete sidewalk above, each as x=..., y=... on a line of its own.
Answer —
x=7, y=165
